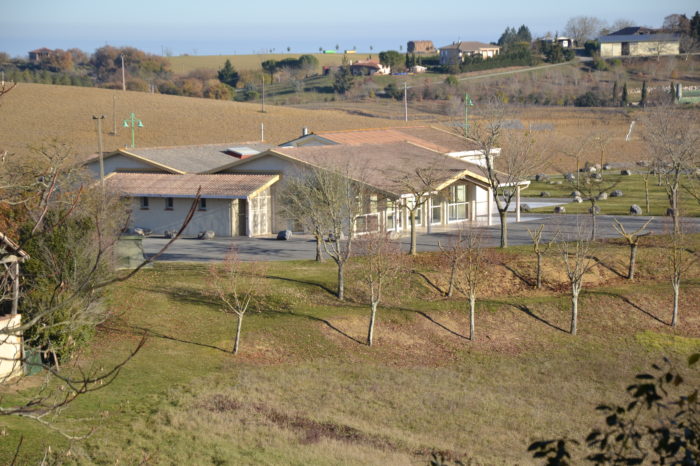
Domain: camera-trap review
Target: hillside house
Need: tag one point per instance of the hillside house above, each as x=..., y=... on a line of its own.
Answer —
x=40, y=54
x=639, y=42
x=421, y=47
x=457, y=52
x=368, y=68
x=11, y=258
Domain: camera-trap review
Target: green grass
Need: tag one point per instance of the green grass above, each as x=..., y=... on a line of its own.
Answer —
x=302, y=391
x=632, y=188
x=185, y=63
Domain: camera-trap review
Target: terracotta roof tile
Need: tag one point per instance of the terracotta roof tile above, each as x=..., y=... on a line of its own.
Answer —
x=426, y=136
x=228, y=186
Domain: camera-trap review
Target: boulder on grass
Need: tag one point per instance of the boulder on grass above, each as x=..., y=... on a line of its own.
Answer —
x=559, y=182
x=560, y=209
x=544, y=194
x=142, y=231
x=635, y=210
x=607, y=166
x=541, y=177
x=570, y=177
x=169, y=234
x=596, y=176
x=616, y=193
x=575, y=194
x=578, y=199
x=625, y=172
x=594, y=209
x=602, y=196
x=524, y=208
x=206, y=235
x=284, y=235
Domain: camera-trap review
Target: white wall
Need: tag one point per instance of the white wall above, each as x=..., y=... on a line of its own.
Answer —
x=10, y=348
x=217, y=217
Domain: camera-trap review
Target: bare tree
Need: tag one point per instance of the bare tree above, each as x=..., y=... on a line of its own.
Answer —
x=678, y=261
x=577, y=261
x=338, y=200
x=592, y=187
x=298, y=203
x=470, y=271
x=540, y=248
x=583, y=28
x=236, y=287
x=420, y=184
x=382, y=265
x=673, y=139
x=632, y=239
x=519, y=158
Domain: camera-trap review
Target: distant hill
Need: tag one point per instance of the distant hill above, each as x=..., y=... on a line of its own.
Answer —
x=183, y=64
x=31, y=113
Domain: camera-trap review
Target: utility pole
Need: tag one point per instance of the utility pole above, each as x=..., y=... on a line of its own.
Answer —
x=133, y=122
x=405, y=101
x=123, y=74
x=99, y=119
x=114, y=114
x=262, y=101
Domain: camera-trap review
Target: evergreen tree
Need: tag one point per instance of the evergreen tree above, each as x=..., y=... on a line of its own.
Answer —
x=228, y=75
x=343, y=80
x=523, y=34
x=695, y=26
x=643, y=101
x=624, y=100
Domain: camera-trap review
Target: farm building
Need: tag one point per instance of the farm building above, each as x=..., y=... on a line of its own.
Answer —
x=11, y=258
x=40, y=54
x=421, y=47
x=639, y=42
x=456, y=52
x=368, y=68
x=229, y=205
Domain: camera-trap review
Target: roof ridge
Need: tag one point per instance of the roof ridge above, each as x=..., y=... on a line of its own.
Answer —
x=384, y=128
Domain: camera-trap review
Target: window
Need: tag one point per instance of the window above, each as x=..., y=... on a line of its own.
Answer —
x=202, y=204
x=436, y=210
x=410, y=204
x=390, y=215
x=458, y=203
x=144, y=203
x=168, y=203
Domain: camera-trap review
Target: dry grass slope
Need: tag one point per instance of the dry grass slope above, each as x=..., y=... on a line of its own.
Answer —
x=183, y=64
x=32, y=113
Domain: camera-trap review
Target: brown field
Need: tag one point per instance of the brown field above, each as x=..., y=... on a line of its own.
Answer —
x=32, y=113
x=183, y=64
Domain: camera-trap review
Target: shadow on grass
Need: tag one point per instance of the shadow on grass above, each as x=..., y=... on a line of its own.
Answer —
x=430, y=282
x=520, y=276
x=428, y=317
x=631, y=303
x=132, y=329
x=323, y=321
x=303, y=282
x=609, y=267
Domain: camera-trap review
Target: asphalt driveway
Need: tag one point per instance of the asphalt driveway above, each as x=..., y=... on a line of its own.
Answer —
x=303, y=247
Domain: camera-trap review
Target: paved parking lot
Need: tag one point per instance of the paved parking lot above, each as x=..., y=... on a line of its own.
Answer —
x=303, y=247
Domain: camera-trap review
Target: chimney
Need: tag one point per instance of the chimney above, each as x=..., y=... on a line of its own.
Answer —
x=305, y=131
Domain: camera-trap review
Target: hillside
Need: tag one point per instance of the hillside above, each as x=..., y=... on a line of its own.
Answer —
x=31, y=113
x=183, y=64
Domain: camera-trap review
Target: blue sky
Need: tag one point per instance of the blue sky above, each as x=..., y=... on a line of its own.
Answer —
x=225, y=27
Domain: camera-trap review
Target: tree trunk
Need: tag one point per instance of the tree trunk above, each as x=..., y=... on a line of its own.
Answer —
x=574, y=308
x=341, y=281
x=646, y=195
x=676, y=292
x=594, y=223
x=319, y=247
x=451, y=285
x=238, y=334
x=414, y=249
x=372, y=317
x=674, y=213
x=503, y=217
x=633, y=261
x=472, y=305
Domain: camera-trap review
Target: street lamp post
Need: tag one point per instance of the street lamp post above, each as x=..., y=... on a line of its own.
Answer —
x=133, y=122
x=99, y=119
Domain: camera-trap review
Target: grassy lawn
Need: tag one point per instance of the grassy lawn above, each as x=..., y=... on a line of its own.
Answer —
x=304, y=391
x=632, y=188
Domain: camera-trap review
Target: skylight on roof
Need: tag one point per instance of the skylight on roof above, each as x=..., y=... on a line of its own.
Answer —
x=243, y=150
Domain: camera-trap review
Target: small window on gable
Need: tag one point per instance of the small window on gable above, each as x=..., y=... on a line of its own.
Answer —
x=168, y=203
x=202, y=204
x=144, y=203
